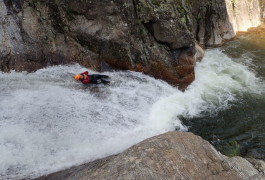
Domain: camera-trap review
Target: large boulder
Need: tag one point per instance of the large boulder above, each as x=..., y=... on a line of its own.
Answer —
x=174, y=155
x=93, y=33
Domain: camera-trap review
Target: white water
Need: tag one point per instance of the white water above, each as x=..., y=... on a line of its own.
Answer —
x=49, y=122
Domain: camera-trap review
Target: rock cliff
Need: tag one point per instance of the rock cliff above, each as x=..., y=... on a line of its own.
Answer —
x=152, y=36
x=243, y=17
x=174, y=155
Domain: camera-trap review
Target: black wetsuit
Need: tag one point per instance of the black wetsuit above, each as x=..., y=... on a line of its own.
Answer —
x=98, y=78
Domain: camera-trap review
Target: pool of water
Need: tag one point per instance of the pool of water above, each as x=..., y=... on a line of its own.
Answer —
x=239, y=129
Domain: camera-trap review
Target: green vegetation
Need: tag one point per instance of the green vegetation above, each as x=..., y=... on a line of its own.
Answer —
x=234, y=6
x=183, y=20
x=143, y=31
x=138, y=21
x=231, y=149
x=155, y=2
x=181, y=10
x=184, y=15
x=141, y=28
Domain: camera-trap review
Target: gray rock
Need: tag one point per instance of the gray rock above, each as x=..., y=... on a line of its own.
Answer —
x=151, y=36
x=10, y=34
x=173, y=155
x=243, y=14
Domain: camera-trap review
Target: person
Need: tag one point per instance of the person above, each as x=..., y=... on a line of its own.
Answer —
x=85, y=78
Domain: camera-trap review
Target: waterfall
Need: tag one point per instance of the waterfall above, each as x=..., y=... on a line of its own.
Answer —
x=48, y=121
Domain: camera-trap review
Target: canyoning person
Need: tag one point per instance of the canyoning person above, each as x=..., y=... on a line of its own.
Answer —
x=85, y=78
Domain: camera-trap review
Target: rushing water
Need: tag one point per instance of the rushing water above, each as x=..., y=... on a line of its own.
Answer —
x=242, y=126
x=49, y=122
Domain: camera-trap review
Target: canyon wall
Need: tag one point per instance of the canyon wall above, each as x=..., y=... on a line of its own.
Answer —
x=158, y=37
x=244, y=14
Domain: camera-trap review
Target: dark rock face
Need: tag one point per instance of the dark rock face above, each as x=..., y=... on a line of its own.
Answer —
x=211, y=22
x=152, y=36
x=174, y=155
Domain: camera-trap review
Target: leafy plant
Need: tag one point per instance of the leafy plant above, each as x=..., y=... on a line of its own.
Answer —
x=231, y=149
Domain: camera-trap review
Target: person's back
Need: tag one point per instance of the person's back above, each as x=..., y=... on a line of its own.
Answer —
x=85, y=78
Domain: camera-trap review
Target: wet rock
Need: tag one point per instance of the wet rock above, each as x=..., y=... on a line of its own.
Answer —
x=168, y=21
x=211, y=22
x=174, y=155
x=199, y=52
x=218, y=21
x=259, y=165
x=152, y=36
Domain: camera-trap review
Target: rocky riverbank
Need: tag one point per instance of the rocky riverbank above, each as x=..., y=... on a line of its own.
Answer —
x=173, y=155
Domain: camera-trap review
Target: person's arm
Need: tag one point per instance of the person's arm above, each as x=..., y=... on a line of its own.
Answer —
x=86, y=73
x=87, y=78
x=86, y=81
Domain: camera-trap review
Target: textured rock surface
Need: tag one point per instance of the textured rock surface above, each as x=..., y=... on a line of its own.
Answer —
x=156, y=37
x=216, y=21
x=174, y=155
x=262, y=9
x=243, y=17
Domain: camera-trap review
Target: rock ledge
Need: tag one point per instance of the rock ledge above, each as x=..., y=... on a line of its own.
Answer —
x=173, y=155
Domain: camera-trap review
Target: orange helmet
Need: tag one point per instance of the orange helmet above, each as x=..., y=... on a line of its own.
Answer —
x=77, y=77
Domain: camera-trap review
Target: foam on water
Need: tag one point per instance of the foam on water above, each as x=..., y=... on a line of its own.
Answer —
x=49, y=122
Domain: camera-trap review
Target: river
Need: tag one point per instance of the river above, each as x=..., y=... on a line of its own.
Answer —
x=242, y=126
x=49, y=122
